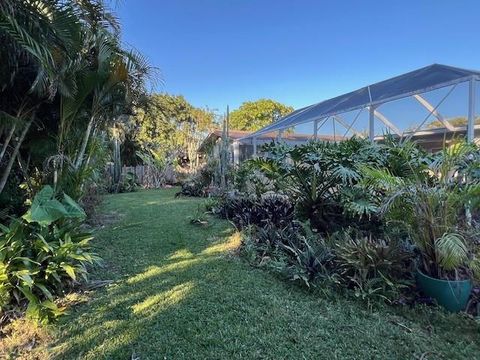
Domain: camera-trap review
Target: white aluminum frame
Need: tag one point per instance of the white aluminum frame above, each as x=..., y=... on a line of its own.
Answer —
x=376, y=114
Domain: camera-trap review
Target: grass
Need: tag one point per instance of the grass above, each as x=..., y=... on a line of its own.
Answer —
x=178, y=292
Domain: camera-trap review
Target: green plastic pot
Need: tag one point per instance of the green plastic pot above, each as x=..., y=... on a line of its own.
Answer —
x=452, y=295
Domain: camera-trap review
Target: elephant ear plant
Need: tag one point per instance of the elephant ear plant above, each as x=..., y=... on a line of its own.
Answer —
x=42, y=255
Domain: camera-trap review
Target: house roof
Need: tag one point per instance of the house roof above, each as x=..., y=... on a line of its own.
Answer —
x=415, y=82
x=235, y=135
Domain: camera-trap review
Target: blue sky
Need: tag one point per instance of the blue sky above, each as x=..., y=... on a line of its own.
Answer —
x=219, y=52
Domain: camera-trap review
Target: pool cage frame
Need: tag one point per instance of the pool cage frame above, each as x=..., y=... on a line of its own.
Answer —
x=457, y=76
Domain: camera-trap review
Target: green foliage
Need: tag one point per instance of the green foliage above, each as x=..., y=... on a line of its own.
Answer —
x=192, y=188
x=254, y=115
x=199, y=183
x=199, y=218
x=293, y=251
x=394, y=196
x=169, y=124
x=127, y=183
x=43, y=254
x=66, y=71
x=326, y=180
x=373, y=267
x=270, y=209
x=46, y=209
x=211, y=205
x=251, y=177
x=434, y=209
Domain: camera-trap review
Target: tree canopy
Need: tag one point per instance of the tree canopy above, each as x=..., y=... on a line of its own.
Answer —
x=66, y=80
x=168, y=124
x=253, y=115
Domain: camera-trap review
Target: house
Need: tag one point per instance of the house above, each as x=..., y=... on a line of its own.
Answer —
x=435, y=139
x=242, y=147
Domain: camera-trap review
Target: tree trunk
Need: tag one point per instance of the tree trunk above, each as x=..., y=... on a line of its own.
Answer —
x=8, y=169
x=117, y=164
x=83, y=147
x=7, y=141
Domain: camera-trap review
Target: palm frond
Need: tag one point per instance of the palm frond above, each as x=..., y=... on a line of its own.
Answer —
x=451, y=250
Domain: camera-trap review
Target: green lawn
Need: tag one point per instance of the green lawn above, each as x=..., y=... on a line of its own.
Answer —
x=180, y=293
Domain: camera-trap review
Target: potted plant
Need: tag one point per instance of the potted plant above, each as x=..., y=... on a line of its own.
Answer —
x=435, y=208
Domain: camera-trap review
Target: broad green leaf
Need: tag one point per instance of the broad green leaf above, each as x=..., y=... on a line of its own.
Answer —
x=45, y=208
x=70, y=270
x=73, y=210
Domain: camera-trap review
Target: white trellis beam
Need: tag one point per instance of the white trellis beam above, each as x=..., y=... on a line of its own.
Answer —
x=254, y=140
x=280, y=134
x=346, y=125
x=471, y=111
x=434, y=112
x=387, y=122
x=371, y=123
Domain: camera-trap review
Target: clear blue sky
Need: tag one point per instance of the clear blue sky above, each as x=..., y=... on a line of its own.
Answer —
x=219, y=52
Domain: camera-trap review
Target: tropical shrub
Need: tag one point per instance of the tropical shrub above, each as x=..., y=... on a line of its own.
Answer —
x=270, y=209
x=251, y=178
x=212, y=205
x=324, y=179
x=192, y=188
x=373, y=267
x=293, y=251
x=198, y=185
x=42, y=255
x=66, y=79
x=127, y=183
x=435, y=210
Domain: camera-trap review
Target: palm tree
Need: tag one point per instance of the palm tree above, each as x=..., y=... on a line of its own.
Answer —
x=36, y=38
x=65, y=58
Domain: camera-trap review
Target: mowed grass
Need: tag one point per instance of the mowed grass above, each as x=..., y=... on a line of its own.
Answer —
x=180, y=292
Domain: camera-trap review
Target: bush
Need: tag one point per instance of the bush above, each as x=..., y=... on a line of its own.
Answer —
x=353, y=190
x=212, y=205
x=270, y=209
x=192, y=188
x=294, y=251
x=42, y=255
x=198, y=185
x=373, y=267
x=325, y=179
x=128, y=183
x=435, y=209
x=250, y=178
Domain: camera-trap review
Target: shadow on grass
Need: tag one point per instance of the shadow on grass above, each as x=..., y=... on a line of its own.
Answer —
x=171, y=264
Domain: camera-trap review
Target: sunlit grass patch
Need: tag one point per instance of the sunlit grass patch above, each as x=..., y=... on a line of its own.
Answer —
x=230, y=244
x=161, y=301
